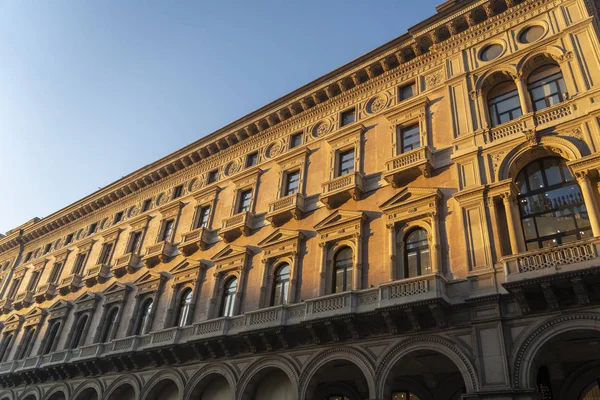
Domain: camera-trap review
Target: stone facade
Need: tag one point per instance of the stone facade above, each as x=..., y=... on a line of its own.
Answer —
x=422, y=223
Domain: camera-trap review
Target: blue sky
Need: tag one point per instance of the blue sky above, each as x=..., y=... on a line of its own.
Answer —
x=93, y=90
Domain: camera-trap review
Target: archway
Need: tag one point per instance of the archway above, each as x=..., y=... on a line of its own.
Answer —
x=58, y=396
x=87, y=394
x=164, y=390
x=123, y=392
x=424, y=375
x=213, y=386
x=338, y=379
x=270, y=383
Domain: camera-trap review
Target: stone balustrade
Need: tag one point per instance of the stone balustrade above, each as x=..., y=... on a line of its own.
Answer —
x=407, y=165
x=285, y=208
x=341, y=188
x=237, y=225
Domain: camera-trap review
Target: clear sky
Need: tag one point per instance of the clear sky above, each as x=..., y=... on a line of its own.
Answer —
x=91, y=90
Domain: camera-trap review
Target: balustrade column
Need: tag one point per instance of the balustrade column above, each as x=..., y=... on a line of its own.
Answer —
x=392, y=251
x=590, y=202
x=513, y=222
x=524, y=98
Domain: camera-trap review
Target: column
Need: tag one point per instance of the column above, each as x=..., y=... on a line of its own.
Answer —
x=357, y=270
x=570, y=83
x=241, y=289
x=590, y=204
x=524, y=98
x=392, y=251
x=294, y=278
x=480, y=109
x=323, y=269
x=435, y=245
x=513, y=221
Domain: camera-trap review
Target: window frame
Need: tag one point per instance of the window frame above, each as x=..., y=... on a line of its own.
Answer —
x=412, y=85
x=418, y=252
x=348, y=111
x=224, y=310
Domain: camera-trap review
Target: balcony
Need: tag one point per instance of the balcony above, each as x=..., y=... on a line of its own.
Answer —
x=407, y=166
x=236, y=226
x=6, y=305
x=98, y=274
x=46, y=292
x=157, y=253
x=23, y=299
x=339, y=190
x=71, y=283
x=195, y=240
x=127, y=263
x=284, y=209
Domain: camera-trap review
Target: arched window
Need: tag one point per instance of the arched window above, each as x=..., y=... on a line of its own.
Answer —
x=78, y=333
x=281, y=286
x=4, y=349
x=416, y=254
x=342, y=274
x=546, y=86
x=551, y=204
x=51, y=338
x=503, y=103
x=144, y=318
x=183, y=311
x=229, y=293
x=26, y=343
x=109, y=325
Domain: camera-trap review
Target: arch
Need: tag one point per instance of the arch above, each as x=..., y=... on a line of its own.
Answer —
x=432, y=343
x=31, y=393
x=162, y=378
x=526, y=349
x=491, y=76
x=253, y=372
x=91, y=384
x=199, y=381
x=55, y=391
x=358, y=358
x=119, y=383
x=524, y=65
x=523, y=154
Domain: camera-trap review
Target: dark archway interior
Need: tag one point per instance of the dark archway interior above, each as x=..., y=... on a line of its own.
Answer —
x=338, y=378
x=88, y=394
x=58, y=396
x=270, y=383
x=424, y=375
x=164, y=390
x=123, y=392
x=568, y=366
x=212, y=387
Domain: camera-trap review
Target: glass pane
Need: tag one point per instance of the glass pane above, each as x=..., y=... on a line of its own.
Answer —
x=553, y=171
x=348, y=283
x=339, y=281
x=292, y=184
x=346, y=161
x=536, y=180
x=410, y=138
x=529, y=228
x=412, y=265
x=425, y=262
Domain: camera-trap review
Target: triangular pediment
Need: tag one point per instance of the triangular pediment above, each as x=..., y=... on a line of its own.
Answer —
x=339, y=217
x=147, y=277
x=36, y=312
x=151, y=281
x=87, y=297
x=116, y=287
x=279, y=236
x=230, y=251
x=408, y=196
x=59, y=305
x=14, y=317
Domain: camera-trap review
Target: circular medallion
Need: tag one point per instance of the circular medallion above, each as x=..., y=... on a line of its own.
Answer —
x=377, y=104
x=133, y=211
x=275, y=149
x=162, y=199
x=233, y=168
x=322, y=128
x=196, y=184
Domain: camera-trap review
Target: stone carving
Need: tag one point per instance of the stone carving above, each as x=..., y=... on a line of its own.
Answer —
x=275, y=149
x=377, y=104
x=322, y=128
x=233, y=167
x=162, y=199
x=434, y=79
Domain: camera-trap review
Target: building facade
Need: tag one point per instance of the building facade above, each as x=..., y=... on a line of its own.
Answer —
x=422, y=223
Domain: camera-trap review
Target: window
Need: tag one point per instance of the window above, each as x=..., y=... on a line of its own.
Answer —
x=147, y=204
x=531, y=34
x=245, y=200
x=416, y=254
x=348, y=117
x=109, y=325
x=404, y=396
x=183, y=311
x=26, y=343
x=202, y=216
x=14, y=288
x=282, y=285
x=51, y=338
x=105, y=253
x=69, y=239
x=229, y=293
x=410, y=138
x=4, y=349
x=144, y=318
x=178, y=191
x=47, y=248
x=292, y=183
x=55, y=273
x=551, y=205
x=251, y=159
x=167, y=230
x=79, y=264
x=503, y=103
x=407, y=91
x=342, y=274
x=295, y=140
x=135, y=240
x=491, y=52
x=547, y=87
x=78, y=333
x=345, y=162
x=93, y=227
x=213, y=176
x=34, y=280
x=118, y=217
x=28, y=257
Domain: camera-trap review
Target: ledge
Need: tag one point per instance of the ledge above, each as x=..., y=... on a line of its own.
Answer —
x=338, y=190
x=195, y=240
x=236, y=225
x=409, y=165
x=284, y=209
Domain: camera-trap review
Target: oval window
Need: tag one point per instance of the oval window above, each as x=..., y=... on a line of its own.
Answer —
x=531, y=34
x=491, y=52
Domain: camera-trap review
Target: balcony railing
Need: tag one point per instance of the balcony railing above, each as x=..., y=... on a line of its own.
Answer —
x=506, y=130
x=195, y=240
x=23, y=299
x=46, y=292
x=126, y=263
x=237, y=225
x=99, y=273
x=554, y=113
x=70, y=284
x=408, y=165
x=340, y=189
x=158, y=252
x=285, y=208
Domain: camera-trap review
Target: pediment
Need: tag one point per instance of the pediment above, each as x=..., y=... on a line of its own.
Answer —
x=409, y=196
x=87, y=301
x=207, y=195
x=339, y=218
x=229, y=252
x=116, y=292
x=60, y=309
x=13, y=322
x=281, y=242
x=151, y=281
x=187, y=271
x=35, y=316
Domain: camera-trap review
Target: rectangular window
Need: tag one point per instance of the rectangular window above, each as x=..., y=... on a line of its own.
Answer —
x=295, y=140
x=345, y=162
x=105, y=253
x=251, y=159
x=69, y=239
x=28, y=257
x=213, y=176
x=47, y=248
x=505, y=107
x=135, y=240
x=348, y=117
x=118, y=217
x=147, y=205
x=292, y=183
x=407, y=91
x=55, y=273
x=244, y=201
x=34, y=280
x=178, y=191
x=410, y=138
x=202, y=217
x=167, y=231
x=79, y=264
x=93, y=227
